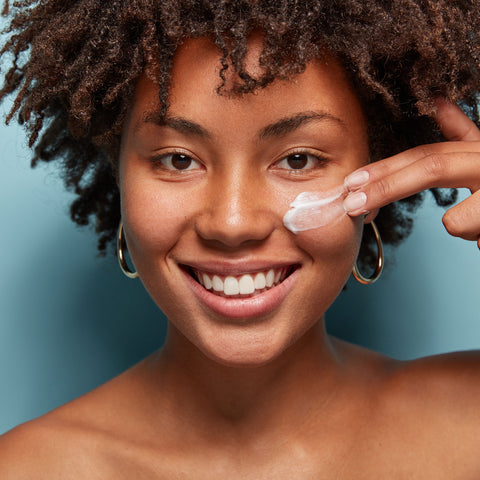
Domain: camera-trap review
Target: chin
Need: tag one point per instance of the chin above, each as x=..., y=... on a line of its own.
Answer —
x=246, y=348
x=243, y=359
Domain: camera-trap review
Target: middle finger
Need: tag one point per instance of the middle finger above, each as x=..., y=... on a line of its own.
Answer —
x=436, y=170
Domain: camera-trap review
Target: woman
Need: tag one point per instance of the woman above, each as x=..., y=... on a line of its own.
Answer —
x=190, y=129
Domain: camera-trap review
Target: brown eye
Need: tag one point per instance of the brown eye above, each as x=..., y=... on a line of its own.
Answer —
x=177, y=162
x=297, y=161
x=301, y=162
x=181, y=162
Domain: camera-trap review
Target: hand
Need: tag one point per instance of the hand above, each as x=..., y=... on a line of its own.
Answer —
x=453, y=164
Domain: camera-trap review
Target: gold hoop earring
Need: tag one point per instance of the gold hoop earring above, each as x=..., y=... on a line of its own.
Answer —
x=378, y=269
x=121, y=257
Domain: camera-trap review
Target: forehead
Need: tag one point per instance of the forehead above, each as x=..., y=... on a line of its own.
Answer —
x=196, y=78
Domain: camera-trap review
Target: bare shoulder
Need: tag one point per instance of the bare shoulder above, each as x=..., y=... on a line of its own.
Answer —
x=452, y=380
x=43, y=448
x=95, y=436
x=63, y=446
x=433, y=403
x=422, y=416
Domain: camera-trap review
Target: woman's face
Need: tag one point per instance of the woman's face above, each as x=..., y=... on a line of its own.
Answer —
x=204, y=193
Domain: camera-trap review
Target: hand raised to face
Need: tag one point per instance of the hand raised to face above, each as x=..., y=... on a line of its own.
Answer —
x=451, y=164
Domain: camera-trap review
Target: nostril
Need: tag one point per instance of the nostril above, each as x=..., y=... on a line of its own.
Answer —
x=237, y=211
x=234, y=231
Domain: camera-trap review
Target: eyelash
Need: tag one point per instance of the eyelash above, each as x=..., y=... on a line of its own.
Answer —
x=321, y=161
x=159, y=161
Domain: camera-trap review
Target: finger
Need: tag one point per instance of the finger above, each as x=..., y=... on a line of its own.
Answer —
x=463, y=220
x=454, y=123
x=382, y=168
x=439, y=170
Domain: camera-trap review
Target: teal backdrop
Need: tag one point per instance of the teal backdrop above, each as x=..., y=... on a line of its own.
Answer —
x=70, y=320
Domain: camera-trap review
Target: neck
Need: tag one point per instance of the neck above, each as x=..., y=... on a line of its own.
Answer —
x=209, y=393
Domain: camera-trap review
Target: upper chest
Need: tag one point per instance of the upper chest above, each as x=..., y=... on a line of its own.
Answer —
x=393, y=453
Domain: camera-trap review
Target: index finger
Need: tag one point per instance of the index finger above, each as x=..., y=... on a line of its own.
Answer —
x=454, y=123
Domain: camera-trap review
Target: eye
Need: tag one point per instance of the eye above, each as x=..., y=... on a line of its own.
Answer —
x=177, y=161
x=300, y=161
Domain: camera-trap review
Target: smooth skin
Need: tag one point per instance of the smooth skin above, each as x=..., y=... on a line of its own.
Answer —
x=270, y=397
x=224, y=214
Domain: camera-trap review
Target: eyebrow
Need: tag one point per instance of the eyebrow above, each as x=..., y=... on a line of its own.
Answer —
x=289, y=124
x=277, y=129
x=179, y=124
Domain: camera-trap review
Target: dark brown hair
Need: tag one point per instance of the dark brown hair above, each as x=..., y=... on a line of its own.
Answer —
x=75, y=63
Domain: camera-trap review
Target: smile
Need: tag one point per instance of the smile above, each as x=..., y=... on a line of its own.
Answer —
x=245, y=284
x=241, y=293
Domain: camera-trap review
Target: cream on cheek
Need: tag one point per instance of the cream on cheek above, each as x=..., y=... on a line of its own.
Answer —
x=323, y=228
x=312, y=210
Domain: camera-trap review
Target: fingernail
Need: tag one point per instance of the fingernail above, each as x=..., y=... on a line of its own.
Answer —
x=356, y=179
x=354, y=201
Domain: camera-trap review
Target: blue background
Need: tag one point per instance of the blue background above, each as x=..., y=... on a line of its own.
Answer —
x=69, y=320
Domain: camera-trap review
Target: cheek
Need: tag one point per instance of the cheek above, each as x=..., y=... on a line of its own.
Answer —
x=154, y=220
x=333, y=247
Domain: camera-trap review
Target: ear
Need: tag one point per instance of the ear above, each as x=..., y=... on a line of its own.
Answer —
x=370, y=216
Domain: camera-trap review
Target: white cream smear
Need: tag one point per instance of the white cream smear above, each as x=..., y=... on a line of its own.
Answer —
x=315, y=209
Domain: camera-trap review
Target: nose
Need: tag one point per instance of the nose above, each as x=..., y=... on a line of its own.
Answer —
x=237, y=211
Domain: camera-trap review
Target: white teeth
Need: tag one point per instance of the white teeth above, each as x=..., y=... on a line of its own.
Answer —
x=270, y=278
x=246, y=285
x=217, y=284
x=230, y=286
x=259, y=281
x=207, y=283
x=278, y=275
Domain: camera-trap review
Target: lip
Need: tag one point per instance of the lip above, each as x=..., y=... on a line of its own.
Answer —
x=242, y=308
x=235, y=268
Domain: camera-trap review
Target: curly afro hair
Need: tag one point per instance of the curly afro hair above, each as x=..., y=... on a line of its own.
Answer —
x=75, y=64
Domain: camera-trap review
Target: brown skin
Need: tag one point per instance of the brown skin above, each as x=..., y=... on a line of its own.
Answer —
x=228, y=208
x=274, y=397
